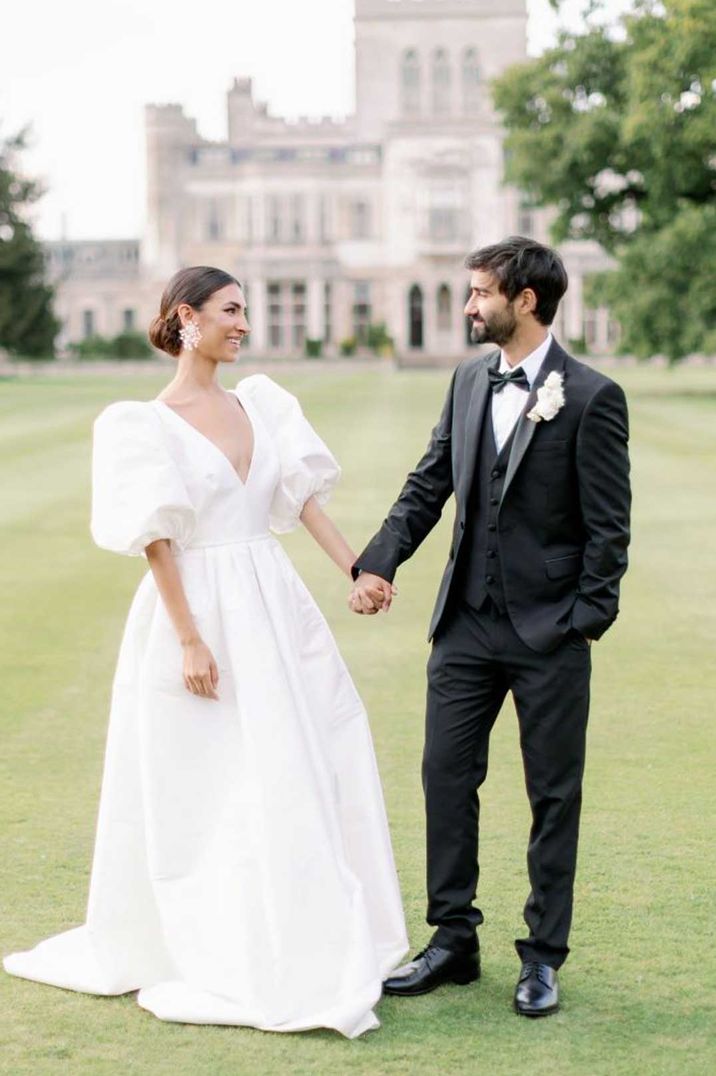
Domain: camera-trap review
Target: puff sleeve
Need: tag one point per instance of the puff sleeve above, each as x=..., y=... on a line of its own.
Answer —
x=308, y=469
x=138, y=494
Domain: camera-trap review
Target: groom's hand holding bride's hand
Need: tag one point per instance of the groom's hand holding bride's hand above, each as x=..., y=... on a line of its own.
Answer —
x=370, y=594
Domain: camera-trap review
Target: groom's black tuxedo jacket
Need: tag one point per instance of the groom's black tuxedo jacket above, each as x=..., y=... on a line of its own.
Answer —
x=563, y=517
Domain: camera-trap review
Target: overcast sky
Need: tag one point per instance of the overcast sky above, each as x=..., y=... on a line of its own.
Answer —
x=81, y=71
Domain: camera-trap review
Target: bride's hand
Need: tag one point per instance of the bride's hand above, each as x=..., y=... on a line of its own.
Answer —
x=201, y=675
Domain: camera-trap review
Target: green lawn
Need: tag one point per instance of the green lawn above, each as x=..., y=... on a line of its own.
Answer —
x=639, y=991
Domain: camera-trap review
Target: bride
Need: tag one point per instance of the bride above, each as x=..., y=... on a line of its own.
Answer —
x=243, y=871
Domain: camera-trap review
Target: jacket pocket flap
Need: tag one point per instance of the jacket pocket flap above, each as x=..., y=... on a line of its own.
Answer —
x=559, y=567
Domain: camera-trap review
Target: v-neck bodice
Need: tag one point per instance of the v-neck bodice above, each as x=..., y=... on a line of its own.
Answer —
x=229, y=508
x=158, y=476
x=205, y=437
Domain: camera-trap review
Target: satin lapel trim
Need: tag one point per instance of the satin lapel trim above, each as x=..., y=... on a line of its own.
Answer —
x=525, y=428
x=479, y=398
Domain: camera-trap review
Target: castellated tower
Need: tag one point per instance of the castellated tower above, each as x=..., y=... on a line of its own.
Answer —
x=429, y=62
x=169, y=132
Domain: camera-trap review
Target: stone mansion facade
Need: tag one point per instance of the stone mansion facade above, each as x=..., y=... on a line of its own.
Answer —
x=336, y=226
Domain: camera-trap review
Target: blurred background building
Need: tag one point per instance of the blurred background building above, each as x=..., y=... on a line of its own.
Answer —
x=336, y=227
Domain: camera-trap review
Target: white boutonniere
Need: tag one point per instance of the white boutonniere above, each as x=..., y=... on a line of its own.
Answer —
x=550, y=399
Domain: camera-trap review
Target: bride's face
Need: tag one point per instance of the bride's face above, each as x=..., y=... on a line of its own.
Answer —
x=222, y=323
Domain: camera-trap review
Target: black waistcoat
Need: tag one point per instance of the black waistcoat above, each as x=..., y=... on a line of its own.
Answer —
x=481, y=568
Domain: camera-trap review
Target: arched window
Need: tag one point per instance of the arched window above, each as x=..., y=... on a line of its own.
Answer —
x=444, y=305
x=415, y=309
x=470, y=81
x=468, y=321
x=410, y=83
x=441, y=82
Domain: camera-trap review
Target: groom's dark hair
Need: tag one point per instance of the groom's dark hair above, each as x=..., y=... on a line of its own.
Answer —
x=518, y=263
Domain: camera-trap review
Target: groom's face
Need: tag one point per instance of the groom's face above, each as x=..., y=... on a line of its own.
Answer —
x=493, y=317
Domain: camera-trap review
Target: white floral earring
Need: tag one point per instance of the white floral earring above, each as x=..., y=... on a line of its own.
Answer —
x=190, y=335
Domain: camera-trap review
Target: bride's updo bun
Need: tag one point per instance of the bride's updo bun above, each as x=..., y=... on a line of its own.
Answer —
x=192, y=286
x=165, y=337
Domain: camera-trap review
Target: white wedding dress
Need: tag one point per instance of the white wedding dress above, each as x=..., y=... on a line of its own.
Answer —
x=243, y=871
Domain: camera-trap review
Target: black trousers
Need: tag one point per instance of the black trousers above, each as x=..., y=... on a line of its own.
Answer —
x=477, y=657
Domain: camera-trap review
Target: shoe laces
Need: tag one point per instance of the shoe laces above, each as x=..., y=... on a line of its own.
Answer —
x=536, y=968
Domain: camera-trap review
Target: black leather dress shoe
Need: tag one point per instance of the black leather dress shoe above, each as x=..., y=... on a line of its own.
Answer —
x=431, y=968
x=537, y=992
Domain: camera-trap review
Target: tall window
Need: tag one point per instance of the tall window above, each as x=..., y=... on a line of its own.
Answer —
x=273, y=219
x=297, y=218
x=324, y=229
x=298, y=314
x=470, y=81
x=525, y=220
x=445, y=209
x=249, y=220
x=415, y=312
x=128, y=321
x=286, y=314
x=361, y=311
x=360, y=220
x=214, y=229
x=441, y=82
x=410, y=83
x=275, y=314
x=88, y=326
x=444, y=308
x=327, y=312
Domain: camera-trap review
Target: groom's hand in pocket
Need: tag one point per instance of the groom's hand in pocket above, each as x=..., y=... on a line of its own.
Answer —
x=370, y=594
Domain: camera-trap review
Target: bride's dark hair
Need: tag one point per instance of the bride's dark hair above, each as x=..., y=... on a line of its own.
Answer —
x=192, y=286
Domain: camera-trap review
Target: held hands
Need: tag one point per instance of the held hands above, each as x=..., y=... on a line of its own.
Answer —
x=201, y=675
x=370, y=594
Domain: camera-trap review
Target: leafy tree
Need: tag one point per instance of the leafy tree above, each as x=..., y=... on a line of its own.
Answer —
x=616, y=132
x=27, y=323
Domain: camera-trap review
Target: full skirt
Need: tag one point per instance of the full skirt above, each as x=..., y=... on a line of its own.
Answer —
x=243, y=871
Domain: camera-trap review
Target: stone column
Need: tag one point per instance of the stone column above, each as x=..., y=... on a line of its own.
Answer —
x=314, y=297
x=257, y=314
x=342, y=310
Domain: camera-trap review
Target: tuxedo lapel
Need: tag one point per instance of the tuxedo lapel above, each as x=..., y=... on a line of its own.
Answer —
x=525, y=429
x=481, y=394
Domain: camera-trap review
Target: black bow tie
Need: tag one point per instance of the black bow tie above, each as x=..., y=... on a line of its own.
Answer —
x=516, y=377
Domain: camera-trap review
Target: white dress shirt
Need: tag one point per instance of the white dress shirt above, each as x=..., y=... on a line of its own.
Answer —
x=510, y=402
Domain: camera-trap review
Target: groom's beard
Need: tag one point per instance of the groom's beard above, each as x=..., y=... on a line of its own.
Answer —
x=494, y=329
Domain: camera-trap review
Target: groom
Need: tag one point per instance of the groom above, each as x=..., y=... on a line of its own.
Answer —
x=533, y=445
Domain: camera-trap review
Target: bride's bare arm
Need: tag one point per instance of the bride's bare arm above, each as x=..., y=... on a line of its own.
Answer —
x=324, y=531
x=201, y=675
